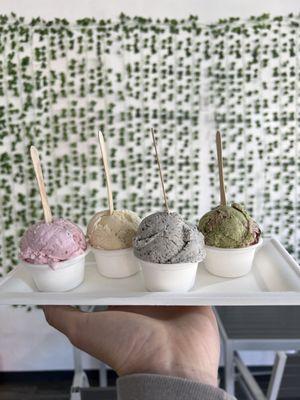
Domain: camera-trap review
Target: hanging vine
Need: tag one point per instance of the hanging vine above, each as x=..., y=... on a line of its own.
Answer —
x=61, y=81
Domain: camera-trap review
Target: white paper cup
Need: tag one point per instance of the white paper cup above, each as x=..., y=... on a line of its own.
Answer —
x=66, y=276
x=230, y=263
x=169, y=277
x=116, y=263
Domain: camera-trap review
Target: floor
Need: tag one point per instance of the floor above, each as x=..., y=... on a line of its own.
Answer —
x=37, y=386
x=42, y=385
x=56, y=385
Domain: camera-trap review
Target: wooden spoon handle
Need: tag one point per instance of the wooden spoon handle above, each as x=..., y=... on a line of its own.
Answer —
x=107, y=172
x=40, y=181
x=160, y=172
x=221, y=173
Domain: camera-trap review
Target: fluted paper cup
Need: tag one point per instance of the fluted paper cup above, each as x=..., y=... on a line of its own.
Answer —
x=230, y=263
x=169, y=277
x=116, y=263
x=65, y=276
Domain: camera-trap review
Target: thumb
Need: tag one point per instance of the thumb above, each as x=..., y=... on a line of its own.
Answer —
x=106, y=335
x=68, y=320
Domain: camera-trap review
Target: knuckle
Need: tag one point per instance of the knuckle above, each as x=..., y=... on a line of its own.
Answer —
x=48, y=317
x=75, y=330
x=73, y=335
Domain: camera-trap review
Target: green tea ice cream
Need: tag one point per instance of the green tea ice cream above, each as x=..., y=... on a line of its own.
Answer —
x=229, y=227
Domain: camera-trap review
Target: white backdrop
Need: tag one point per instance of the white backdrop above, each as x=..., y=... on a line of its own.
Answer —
x=207, y=10
x=26, y=342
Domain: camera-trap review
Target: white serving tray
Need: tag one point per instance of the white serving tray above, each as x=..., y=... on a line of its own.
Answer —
x=274, y=280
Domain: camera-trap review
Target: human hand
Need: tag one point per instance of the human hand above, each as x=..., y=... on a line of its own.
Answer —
x=175, y=341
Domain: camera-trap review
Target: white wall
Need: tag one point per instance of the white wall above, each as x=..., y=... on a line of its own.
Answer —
x=26, y=341
x=208, y=10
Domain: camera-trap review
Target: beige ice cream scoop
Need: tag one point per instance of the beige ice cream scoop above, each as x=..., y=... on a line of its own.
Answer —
x=113, y=232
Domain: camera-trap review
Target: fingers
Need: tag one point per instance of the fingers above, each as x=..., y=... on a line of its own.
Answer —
x=210, y=312
x=107, y=335
x=67, y=320
x=156, y=311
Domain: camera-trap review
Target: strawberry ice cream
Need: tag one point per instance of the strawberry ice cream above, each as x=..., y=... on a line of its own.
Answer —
x=52, y=243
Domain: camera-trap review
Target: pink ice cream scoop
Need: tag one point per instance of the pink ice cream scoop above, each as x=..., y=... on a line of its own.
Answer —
x=44, y=243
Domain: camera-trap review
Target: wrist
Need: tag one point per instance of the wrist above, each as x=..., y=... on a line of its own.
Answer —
x=162, y=366
x=174, y=357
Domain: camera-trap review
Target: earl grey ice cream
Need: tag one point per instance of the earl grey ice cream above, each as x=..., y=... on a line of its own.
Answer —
x=165, y=238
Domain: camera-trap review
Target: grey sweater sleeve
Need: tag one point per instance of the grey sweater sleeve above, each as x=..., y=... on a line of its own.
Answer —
x=160, y=387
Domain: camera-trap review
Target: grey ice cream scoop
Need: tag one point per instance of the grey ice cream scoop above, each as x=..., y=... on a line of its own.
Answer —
x=166, y=239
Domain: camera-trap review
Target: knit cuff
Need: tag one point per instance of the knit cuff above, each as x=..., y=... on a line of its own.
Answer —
x=161, y=387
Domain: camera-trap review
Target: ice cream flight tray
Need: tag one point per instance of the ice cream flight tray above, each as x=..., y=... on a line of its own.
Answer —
x=158, y=258
x=273, y=280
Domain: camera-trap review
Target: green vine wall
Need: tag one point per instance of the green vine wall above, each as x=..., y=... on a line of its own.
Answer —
x=60, y=82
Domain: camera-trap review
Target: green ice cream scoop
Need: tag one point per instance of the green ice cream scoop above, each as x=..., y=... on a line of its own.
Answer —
x=229, y=227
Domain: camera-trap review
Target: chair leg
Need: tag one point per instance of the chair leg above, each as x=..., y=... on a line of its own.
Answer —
x=80, y=379
x=102, y=375
x=277, y=374
x=229, y=369
x=248, y=380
